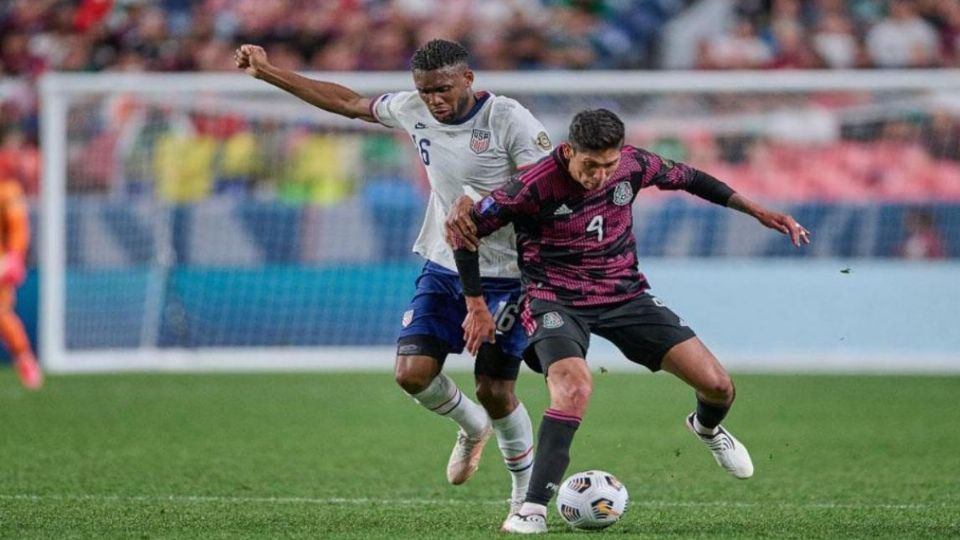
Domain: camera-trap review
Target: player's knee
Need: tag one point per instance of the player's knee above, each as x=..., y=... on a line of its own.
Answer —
x=412, y=379
x=719, y=389
x=573, y=396
x=495, y=394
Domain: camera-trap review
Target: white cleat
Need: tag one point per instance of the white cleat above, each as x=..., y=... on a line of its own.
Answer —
x=515, y=504
x=525, y=524
x=465, y=458
x=730, y=453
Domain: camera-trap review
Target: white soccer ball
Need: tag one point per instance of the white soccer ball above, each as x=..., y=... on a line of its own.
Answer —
x=592, y=500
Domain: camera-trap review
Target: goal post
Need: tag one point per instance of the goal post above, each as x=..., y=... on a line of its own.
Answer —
x=211, y=221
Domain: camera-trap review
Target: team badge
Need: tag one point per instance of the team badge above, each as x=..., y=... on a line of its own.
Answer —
x=543, y=141
x=552, y=320
x=407, y=318
x=480, y=141
x=622, y=194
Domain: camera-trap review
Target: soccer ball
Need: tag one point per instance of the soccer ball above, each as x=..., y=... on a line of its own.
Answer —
x=592, y=500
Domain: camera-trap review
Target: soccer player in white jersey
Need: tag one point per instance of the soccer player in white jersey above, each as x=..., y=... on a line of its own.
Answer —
x=469, y=142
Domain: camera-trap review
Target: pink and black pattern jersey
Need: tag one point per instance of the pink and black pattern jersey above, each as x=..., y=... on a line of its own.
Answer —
x=577, y=247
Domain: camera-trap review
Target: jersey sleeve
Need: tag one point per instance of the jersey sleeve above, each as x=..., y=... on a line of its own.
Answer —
x=502, y=206
x=664, y=173
x=670, y=175
x=523, y=136
x=387, y=108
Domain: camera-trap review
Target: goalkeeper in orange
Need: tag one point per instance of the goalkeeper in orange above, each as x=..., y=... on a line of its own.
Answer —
x=14, y=240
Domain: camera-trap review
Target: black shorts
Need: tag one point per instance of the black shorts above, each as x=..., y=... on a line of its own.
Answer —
x=643, y=328
x=491, y=360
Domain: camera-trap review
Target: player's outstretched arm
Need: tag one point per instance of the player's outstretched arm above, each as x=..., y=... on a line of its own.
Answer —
x=325, y=95
x=774, y=220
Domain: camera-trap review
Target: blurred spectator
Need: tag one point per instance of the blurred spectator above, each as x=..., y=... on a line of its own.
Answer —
x=948, y=17
x=903, y=39
x=923, y=240
x=740, y=50
x=942, y=138
x=835, y=42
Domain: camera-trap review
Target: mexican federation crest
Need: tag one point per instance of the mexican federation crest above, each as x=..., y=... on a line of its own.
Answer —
x=480, y=141
x=622, y=194
x=552, y=320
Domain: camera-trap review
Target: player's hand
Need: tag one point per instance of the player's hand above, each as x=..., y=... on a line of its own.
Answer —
x=479, y=326
x=787, y=225
x=252, y=59
x=460, y=225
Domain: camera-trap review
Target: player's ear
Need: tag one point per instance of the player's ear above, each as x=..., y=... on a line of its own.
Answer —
x=567, y=150
x=468, y=76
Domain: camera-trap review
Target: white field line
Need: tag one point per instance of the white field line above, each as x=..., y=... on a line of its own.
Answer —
x=428, y=502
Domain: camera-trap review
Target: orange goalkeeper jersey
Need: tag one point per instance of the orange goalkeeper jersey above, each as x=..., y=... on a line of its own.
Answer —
x=14, y=219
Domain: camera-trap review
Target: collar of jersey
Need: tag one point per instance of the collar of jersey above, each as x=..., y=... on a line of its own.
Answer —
x=481, y=98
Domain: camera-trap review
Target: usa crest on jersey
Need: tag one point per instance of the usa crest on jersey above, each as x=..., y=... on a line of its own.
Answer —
x=622, y=194
x=480, y=141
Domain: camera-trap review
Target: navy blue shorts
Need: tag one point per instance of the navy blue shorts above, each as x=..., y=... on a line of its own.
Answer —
x=431, y=323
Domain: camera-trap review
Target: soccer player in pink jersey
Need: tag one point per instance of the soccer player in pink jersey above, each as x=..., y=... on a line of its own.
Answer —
x=578, y=262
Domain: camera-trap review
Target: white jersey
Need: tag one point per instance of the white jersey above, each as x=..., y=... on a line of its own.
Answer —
x=472, y=156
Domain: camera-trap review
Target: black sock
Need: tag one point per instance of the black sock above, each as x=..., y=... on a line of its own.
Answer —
x=552, y=456
x=710, y=415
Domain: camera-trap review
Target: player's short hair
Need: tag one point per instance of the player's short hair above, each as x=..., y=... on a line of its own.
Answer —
x=596, y=129
x=438, y=54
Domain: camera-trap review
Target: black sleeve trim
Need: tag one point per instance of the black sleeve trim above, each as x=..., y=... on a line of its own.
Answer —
x=709, y=188
x=468, y=265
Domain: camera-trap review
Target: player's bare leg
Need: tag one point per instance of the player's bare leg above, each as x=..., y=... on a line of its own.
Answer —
x=511, y=423
x=692, y=362
x=15, y=338
x=420, y=377
x=571, y=386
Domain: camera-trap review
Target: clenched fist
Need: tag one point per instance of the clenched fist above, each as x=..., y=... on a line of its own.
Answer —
x=252, y=59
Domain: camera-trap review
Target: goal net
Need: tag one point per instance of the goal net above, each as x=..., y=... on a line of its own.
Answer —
x=210, y=221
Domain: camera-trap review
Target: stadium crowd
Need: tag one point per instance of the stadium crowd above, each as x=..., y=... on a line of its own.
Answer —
x=37, y=36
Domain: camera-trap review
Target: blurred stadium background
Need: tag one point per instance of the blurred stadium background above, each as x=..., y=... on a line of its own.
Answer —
x=190, y=208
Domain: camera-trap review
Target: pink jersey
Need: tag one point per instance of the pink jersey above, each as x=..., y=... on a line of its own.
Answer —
x=577, y=247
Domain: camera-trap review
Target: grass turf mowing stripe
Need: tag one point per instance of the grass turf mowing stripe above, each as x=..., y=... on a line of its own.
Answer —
x=427, y=502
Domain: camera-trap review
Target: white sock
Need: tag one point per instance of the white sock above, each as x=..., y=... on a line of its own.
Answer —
x=699, y=428
x=515, y=439
x=533, y=508
x=444, y=398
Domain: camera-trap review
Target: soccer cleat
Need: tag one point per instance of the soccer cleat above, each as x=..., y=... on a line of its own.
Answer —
x=31, y=377
x=465, y=458
x=525, y=524
x=515, y=503
x=730, y=453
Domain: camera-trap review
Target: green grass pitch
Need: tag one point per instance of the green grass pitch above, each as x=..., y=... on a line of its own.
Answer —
x=330, y=455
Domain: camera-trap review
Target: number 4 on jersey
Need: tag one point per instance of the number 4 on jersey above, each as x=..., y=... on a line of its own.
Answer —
x=596, y=225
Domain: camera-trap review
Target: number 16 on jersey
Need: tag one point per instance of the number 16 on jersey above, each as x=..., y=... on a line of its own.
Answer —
x=423, y=145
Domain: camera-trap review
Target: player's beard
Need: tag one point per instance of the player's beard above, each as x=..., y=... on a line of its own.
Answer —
x=457, y=112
